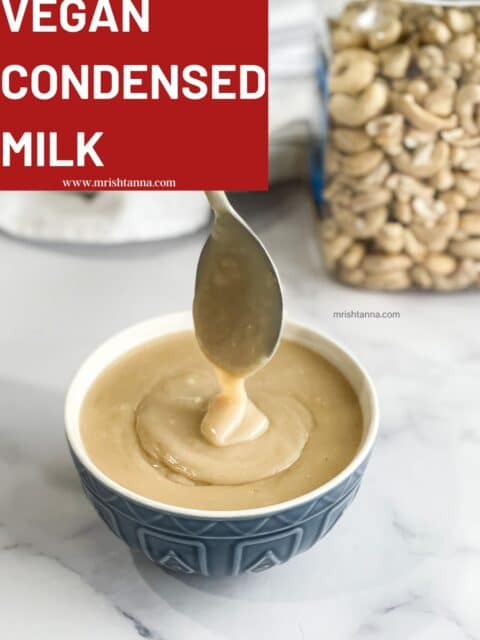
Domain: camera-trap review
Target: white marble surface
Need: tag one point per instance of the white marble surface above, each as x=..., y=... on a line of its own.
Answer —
x=403, y=563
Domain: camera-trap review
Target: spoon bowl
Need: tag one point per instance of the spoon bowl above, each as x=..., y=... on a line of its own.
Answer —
x=238, y=305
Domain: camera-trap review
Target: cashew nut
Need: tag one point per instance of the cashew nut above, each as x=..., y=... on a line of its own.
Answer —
x=387, y=132
x=343, y=183
x=395, y=61
x=361, y=226
x=425, y=162
x=345, y=38
x=371, y=200
x=462, y=278
x=352, y=258
x=443, y=180
x=334, y=249
x=460, y=21
x=428, y=212
x=353, y=277
x=406, y=187
x=430, y=57
x=418, y=88
x=376, y=264
x=365, y=184
x=377, y=177
x=468, y=97
x=461, y=48
x=452, y=70
x=350, y=140
x=421, y=277
x=402, y=212
x=420, y=117
x=352, y=70
x=414, y=248
x=356, y=111
x=390, y=238
x=458, y=138
x=436, y=237
x=349, y=17
x=465, y=159
x=361, y=164
x=440, y=101
x=385, y=36
x=392, y=280
x=416, y=138
x=440, y=264
x=436, y=32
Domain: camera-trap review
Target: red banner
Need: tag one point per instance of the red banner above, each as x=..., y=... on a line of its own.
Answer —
x=133, y=94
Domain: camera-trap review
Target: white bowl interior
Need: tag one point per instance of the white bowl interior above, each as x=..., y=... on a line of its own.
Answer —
x=139, y=334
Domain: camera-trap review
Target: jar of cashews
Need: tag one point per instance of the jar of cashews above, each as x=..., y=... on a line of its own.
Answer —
x=401, y=202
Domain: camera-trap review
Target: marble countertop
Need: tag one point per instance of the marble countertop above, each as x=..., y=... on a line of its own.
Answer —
x=402, y=564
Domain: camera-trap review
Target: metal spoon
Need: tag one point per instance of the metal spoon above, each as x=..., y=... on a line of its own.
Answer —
x=238, y=306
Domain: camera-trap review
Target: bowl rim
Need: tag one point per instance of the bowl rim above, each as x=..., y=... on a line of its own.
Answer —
x=73, y=426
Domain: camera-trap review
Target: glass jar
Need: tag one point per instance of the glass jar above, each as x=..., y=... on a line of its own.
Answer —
x=401, y=197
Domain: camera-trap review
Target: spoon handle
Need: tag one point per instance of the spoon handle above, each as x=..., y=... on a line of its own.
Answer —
x=219, y=202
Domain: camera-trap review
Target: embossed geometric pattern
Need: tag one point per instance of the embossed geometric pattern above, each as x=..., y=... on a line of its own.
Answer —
x=260, y=553
x=182, y=554
x=172, y=562
x=267, y=561
x=219, y=547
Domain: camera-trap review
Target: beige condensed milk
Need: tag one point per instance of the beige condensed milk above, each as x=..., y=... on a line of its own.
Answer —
x=141, y=425
x=166, y=422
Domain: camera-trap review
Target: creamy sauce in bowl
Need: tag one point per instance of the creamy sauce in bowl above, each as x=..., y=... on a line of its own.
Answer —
x=141, y=423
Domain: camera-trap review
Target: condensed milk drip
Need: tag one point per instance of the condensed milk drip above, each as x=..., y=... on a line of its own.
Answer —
x=172, y=420
x=231, y=417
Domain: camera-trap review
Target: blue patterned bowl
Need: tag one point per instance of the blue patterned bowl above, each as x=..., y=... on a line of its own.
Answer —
x=218, y=543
